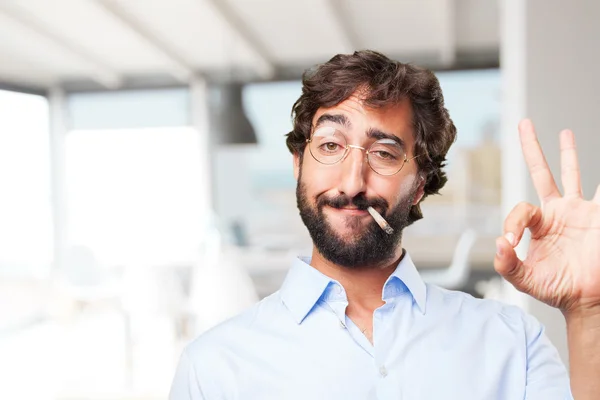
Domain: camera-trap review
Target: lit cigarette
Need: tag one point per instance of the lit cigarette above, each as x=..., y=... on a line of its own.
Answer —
x=380, y=221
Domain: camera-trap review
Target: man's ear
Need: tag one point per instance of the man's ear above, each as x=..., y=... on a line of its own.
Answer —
x=296, y=165
x=420, y=189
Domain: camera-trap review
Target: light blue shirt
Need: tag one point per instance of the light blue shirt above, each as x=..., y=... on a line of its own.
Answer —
x=428, y=344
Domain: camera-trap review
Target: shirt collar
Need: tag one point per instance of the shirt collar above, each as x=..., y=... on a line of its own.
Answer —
x=406, y=275
x=304, y=286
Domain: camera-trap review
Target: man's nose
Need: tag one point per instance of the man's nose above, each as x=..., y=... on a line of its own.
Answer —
x=354, y=167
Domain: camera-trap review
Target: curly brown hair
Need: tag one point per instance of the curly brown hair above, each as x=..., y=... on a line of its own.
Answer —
x=382, y=82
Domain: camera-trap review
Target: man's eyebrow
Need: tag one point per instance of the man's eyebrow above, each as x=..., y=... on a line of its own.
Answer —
x=339, y=119
x=372, y=133
x=376, y=134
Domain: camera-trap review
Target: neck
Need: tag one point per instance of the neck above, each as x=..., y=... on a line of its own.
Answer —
x=363, y=284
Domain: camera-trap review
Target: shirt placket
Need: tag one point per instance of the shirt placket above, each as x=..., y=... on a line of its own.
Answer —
x=388, y=382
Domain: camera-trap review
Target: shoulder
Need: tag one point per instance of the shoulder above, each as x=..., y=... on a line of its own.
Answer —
x=259, y=318
x=461, y=305
x=504, y=333
x=209, y=364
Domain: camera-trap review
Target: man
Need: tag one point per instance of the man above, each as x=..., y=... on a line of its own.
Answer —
x=355, y=321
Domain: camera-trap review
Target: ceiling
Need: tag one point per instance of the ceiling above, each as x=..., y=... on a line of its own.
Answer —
x=110, y=44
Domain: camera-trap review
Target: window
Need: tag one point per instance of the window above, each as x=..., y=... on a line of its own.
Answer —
x=135, y=195
x=25, y=203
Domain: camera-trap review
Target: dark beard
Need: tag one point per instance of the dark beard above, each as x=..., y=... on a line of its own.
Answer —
x=372, y=246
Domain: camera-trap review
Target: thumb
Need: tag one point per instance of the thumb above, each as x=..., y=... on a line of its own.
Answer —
x=507, y=264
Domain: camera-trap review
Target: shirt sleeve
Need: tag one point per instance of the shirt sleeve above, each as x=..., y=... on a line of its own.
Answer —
x=547, y=377
x=185, y=384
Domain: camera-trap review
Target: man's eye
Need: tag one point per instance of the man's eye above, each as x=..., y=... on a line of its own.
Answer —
x=384, y=155
x=330, y=146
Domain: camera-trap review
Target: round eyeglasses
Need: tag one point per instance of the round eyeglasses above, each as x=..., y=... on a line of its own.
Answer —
x=329, y=146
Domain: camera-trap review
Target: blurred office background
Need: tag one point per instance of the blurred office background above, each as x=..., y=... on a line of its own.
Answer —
x=146, y=192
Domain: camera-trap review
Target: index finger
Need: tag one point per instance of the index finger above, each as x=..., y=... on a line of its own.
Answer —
x=543, y=181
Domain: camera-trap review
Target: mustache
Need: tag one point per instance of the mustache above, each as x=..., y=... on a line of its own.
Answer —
x=359, y=201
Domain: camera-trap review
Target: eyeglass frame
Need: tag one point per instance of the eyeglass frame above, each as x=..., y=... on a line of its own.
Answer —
x=353, y=146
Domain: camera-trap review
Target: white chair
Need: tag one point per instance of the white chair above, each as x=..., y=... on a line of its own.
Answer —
x=86, y=282
x=457, y=275
x=221, y=287
x=89, y=285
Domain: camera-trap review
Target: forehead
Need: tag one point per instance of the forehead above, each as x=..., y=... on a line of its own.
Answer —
x=395, y=119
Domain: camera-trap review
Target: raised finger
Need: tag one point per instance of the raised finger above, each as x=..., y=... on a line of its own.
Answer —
x=543, y=181
x=571, y=178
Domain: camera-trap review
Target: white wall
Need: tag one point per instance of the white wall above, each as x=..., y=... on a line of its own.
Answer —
x=550, y=57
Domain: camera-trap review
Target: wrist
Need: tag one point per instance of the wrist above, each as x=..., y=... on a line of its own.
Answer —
x=583, y=316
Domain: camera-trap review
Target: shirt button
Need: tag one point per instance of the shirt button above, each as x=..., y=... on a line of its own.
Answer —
x=383, y=371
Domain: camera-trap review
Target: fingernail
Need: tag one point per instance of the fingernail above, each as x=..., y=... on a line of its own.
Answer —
x=510, y=237
x=498, y=251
